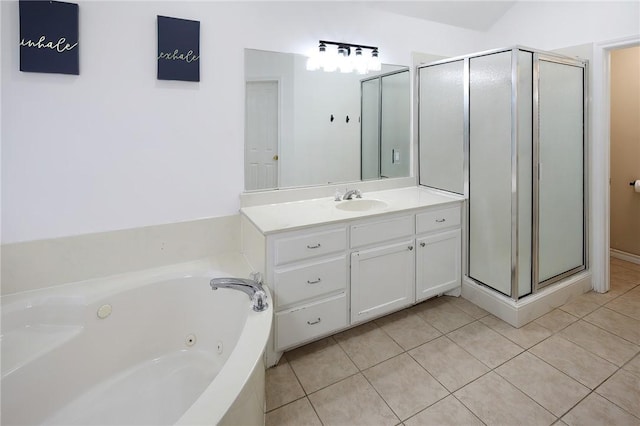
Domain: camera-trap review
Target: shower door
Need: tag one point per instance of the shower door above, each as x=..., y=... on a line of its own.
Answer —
x=560, y=173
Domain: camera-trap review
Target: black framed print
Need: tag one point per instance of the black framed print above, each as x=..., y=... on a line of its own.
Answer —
x=49, y=37
x=178, y=49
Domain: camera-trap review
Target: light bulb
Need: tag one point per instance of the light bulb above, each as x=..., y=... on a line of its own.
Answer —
x=374, y=62
x=344, y=63
x=359, y=62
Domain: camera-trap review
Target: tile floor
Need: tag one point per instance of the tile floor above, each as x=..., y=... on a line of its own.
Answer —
x=448, y=362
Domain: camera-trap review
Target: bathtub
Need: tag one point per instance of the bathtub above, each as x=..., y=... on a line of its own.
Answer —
x=152, y=348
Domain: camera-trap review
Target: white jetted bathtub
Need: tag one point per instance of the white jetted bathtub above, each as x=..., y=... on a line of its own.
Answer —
x=152, y=348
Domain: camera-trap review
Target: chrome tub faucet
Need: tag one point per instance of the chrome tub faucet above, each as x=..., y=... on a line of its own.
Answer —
x=253, y=288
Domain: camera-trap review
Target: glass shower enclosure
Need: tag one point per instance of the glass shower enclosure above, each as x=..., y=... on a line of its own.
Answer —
x=507, y=129
x=385, y=125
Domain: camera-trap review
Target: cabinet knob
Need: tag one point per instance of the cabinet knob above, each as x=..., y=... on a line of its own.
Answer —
x=314, y=282
x=314, y=246
x=314, y=322
x=423, y=244
x=410, y=248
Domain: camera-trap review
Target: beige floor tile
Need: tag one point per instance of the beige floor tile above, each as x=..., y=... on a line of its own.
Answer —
x=282, y=386
x=556, y=320
x=634, y=293
x=525, y=336
x=405, y=385
x=634, y=365
x=485, y=344
x=600, y=342
x=580, y=306
x=408, y=329
x=367, y=345
x=627, y=305
x=623, y=389
x=298, y=413
x=571, y=359
x=444, y=316
x=447, y=412
x=469, y=308
x=496, y=401
x=551, y=388
x=448, y=363
x=602, y=298
x=352, y=401
x=595, y=410
x=625, y=274
x=618, y=324
x=320, y=364
x=624, y=287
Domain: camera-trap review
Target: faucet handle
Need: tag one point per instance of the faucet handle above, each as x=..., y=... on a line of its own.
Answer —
x=358, y=193
x=257, y=277
x=259, y=301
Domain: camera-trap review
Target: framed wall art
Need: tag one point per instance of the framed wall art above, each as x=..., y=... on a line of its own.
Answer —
x=49, y=37
x=178, y=49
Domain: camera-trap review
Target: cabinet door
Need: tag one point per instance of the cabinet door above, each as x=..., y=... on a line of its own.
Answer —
x=382, y=280
x=438, y=267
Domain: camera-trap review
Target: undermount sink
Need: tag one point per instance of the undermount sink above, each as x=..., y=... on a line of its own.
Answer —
x=360, y=205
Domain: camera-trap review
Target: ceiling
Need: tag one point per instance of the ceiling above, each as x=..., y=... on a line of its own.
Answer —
x=475, y=15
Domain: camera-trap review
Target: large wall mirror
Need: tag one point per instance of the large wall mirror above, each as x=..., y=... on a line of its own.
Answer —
x=306, y=128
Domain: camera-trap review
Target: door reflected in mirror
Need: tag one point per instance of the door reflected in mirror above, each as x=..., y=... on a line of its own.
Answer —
x=306, y=128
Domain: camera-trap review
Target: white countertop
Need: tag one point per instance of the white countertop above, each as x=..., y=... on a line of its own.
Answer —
x=270, y=218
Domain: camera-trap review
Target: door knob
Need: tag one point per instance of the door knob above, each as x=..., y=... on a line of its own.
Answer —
x=275, y=157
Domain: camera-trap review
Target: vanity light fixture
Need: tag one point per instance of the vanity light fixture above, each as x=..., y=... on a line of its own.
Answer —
x=346, y=57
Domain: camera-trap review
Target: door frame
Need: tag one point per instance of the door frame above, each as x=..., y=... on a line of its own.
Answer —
x=601, y=157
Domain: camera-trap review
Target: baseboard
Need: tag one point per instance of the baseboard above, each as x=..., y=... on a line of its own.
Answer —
x=528, y=308
x=623, y=255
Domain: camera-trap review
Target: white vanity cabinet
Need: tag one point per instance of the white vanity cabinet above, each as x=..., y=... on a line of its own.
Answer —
x=307, y=271
x=382, y=267
x=438, y=252
x=330, y=269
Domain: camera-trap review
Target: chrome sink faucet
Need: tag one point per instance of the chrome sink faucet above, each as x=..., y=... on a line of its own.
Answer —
x=351, y=193
x=253, y=288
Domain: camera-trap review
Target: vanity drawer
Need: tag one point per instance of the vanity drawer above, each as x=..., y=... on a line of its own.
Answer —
x=293, y=285
x=310, y=321
x=437, y=219
x=305, y=246
x=384, y=230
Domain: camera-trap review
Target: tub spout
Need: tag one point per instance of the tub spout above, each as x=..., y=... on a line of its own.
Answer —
x=253, y=288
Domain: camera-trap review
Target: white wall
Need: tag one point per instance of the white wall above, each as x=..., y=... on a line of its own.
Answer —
x=114, y=148
x=326, y=151
x=551, y=25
